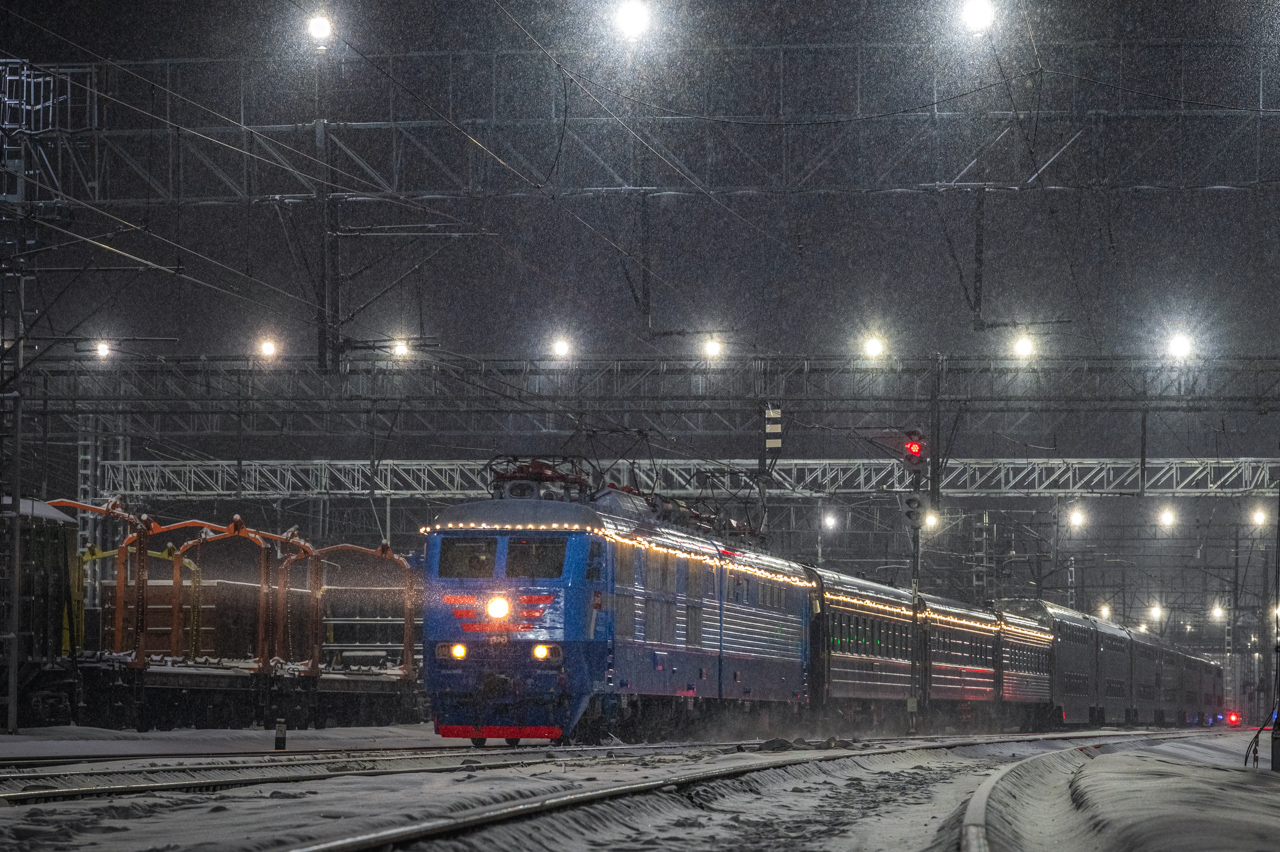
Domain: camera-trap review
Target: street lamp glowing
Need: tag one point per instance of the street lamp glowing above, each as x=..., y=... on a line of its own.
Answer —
x=400, y=348
x=268, y=348
x=977, y=15
x=1259, y=517
x=829, y=522
x=1105, y=612
x=1180, y=346
x=1076, y=518
x=711, y=348
x=320, y=28
x=1166, y=518
x=1155, y=611
x=104, y=349
x=1142, y=628
x=632, y=19
x=1217, y=612
x=873, y=347
x=930, y=521
x=561, y=348
x=1023, y=347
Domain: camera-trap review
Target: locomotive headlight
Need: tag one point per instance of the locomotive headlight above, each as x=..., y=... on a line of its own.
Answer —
x=548, y=653
x=541, y=651
x=498, y=608
x=458, y=652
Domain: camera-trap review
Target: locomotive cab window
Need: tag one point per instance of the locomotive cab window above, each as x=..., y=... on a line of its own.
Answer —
x=467, y=558
x=536, y=558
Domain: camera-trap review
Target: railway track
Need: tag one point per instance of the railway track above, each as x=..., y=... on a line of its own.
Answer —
x=217, y=772
x=494, y=815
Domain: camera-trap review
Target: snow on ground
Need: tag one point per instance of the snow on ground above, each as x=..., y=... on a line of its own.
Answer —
x=862, y=801
x=859, y=802
x=1185, y=795
x=72, y=741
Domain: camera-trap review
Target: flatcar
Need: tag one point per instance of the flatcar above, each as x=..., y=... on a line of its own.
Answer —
x=553, y=617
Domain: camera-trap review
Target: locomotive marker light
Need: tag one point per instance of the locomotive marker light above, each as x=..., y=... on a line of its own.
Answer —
x=458, y=652
x=498, y=608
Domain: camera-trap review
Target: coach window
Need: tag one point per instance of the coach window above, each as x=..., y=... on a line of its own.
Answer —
x=624, y=565
x=536, y=558
x=467, y=558
x=693, y=579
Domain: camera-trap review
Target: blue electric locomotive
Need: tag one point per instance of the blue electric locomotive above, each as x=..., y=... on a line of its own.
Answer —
x=548, y=616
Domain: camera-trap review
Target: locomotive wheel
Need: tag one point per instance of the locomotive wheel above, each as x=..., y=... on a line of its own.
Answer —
x=511, y=741
x=478, y=742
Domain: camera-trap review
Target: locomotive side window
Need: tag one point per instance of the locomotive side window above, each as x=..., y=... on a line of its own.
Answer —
x=693, y=626
x=536, y=558
x=624, y=568
x=624, y=617
x=693, y=581
x=467, y=558
x=595, y=561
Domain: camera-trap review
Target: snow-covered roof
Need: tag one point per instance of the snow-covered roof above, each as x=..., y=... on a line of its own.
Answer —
x=38, y=509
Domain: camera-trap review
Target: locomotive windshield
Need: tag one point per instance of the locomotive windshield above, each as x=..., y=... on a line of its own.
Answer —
x=469, y=558
x=536, y=558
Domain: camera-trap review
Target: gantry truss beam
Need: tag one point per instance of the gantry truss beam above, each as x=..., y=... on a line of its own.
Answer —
x=453, y=395
x=461, y=480
x=742, y=119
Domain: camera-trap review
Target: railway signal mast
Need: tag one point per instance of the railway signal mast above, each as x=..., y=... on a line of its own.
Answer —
x=915, y=506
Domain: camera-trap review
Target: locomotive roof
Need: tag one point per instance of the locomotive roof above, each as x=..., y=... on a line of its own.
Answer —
x=528, y=514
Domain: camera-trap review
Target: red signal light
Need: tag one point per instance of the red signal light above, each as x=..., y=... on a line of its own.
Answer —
x=914, y=448
x=1233, y=718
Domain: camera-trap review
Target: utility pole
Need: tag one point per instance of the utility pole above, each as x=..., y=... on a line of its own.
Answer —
x=329, y=291
x=15, y=505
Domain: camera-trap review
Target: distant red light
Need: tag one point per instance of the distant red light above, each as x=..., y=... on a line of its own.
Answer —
x=1233, y=718
x=914, y=448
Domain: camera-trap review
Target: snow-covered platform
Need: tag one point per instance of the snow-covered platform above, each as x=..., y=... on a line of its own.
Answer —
x=75, y=742
x=1177, y=796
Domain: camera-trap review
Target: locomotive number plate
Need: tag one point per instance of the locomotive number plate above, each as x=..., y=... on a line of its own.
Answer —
x=499, y=640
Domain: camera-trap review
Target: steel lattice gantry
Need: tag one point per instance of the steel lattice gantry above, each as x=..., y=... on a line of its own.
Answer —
x=149, y=133
x=806, y=480
x=433, y=395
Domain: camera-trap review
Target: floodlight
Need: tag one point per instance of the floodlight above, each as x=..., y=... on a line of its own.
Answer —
x=1180, y=346
x=873, y=347
x=930, y=520
x=1155, y=611
x=104, y=349
x=977, y=15
x=1166, y=518
x=400, y=348
x=1023, y=347
x=1076, y=518
x=829, y=522
x=1259, y=517
x=561, y=348
x=711, y=348
x=632, y=19
x=1105, y=612
x=1217, y=611
x=268, y=348
x=320, y=28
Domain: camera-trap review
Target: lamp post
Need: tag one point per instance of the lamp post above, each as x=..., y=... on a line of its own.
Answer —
x=328, y=348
